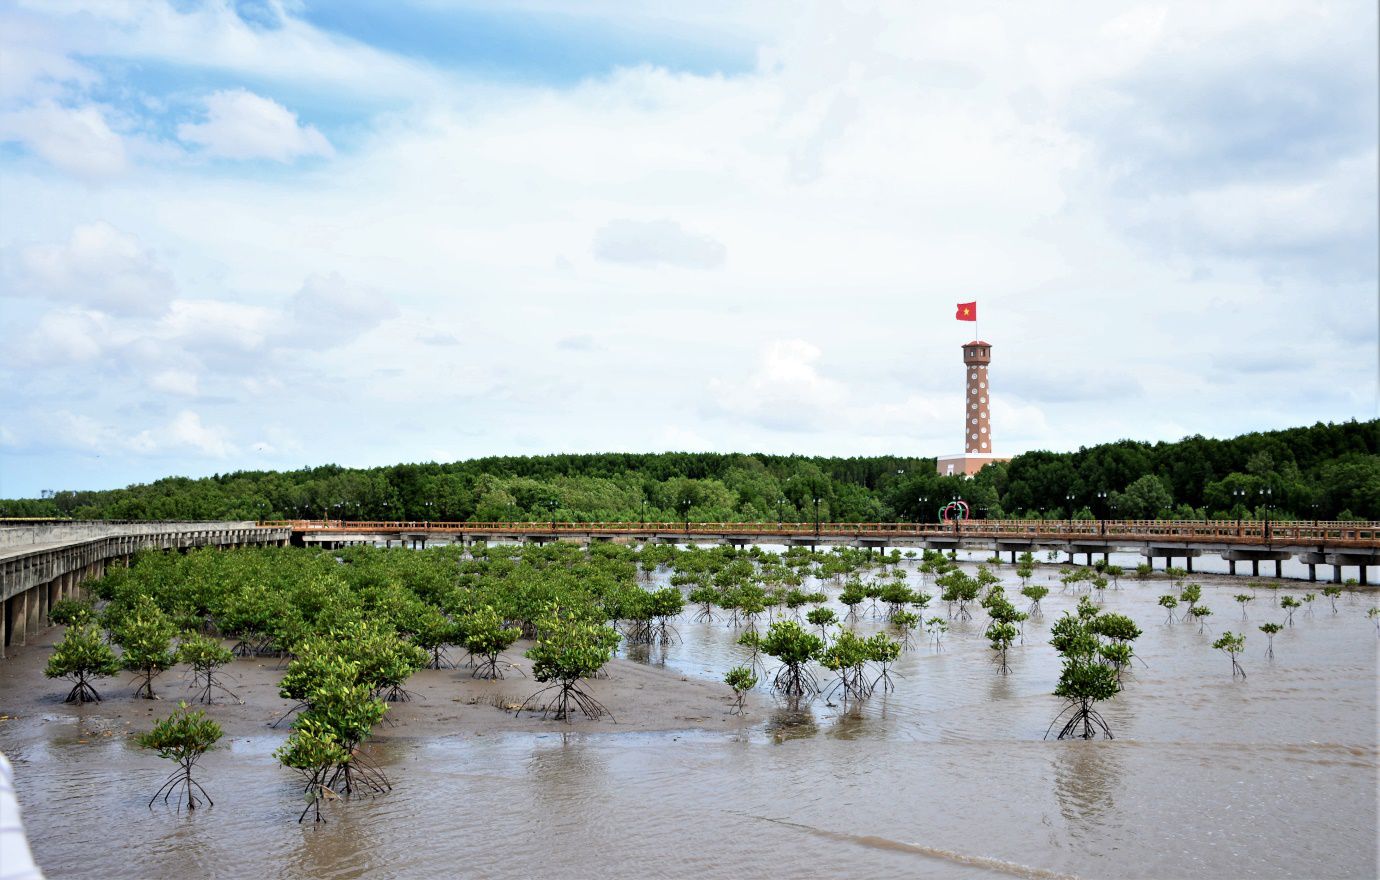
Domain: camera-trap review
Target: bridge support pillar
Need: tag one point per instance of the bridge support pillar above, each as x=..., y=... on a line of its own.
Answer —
x=1337, y=573
x=1231, y=566
x=1013, y=557
x=34, y=623
x=1279, y=568
x=1188, y=564
x=19, y=619
x=1255, y=568
x=1312, y=572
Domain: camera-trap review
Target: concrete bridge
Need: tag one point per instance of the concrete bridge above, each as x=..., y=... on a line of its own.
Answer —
x=43, y=563
x=1338, y=544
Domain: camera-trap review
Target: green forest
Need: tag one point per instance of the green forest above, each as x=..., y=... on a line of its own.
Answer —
x=1326, y=471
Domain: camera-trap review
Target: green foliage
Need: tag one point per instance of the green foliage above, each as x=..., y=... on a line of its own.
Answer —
x=795, y=648
x=81, y=656
x=205, y=656
x=184, y=736
x=146, y=636
x=1232, y=644
x=70, y=612
x=486, y=638
x=570, y=648
x=1093, y=661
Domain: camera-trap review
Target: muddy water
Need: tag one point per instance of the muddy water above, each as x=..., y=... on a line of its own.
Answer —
x=948, y=776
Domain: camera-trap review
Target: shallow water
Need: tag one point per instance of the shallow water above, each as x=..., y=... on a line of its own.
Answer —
x=948, y=776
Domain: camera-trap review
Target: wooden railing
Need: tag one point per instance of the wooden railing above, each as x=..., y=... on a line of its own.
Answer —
x=1298, y=532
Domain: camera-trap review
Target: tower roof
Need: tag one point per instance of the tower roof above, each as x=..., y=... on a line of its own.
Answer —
x=977, y=342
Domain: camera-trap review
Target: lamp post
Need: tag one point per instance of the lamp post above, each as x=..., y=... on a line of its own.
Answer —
x=644, y=513
x=686, y=504
x=924, y=506
x=553, y=502
x=779, y=503
x=1267, y=495
x=1069, y=499
x=1102, y=502
x=1239, y=494
x=816, y=516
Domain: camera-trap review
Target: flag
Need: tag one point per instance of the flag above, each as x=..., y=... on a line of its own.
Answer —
x=967, y=311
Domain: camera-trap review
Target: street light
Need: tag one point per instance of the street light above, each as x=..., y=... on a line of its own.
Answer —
x=1102, y=498
x=644, y=513
x=1069, y=499
x=1239, y=494
x=686, y=505
x=779, y=502
x=816, y=516
x=924, y=506
x=1267, y=494
x=554, y=503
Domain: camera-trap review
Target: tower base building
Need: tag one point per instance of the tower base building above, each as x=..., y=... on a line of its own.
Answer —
x=977, y=422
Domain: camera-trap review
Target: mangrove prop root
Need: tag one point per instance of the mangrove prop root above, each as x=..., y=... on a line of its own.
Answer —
x=181, y=779
x=568, y=698
x=1084, y=722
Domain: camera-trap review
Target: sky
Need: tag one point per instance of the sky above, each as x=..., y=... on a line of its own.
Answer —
x=281, y=233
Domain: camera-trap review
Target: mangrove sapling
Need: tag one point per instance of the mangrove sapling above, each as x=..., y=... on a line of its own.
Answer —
x=433, y=632
x=1085, y=679
x=742, y=680
x=1099, y=583
x=936, y=627
x=1190, y=594
x=1200, y=613
x=205, y=656
x=1114, y=572
x=959, y=589
x=1289, y=604
x=905, y=622
x=706, y=598
x=1269, y=629
x=1024, y=572
x=313, y=751
x=569, y=649
x=69, y=612
x=1000, y=634
x=873, y=591
x=1169, y=603
x=1177, y=575
x=81, y=656
x=851, y=597
x=349, y=709
x=146, y=636
x=897, y=596
x=794, y=648
x=1035, y=594
x=184, y=736
x=1242, y=599
x=1332, y=593
x=752, y=640
x=1374, y=614
x=822, y=618
x=486, y=638
x=1144, y=570
x=1308, y=600
x=666, y=604
x=847, y=658
x=1232, y=644
x=882, y=650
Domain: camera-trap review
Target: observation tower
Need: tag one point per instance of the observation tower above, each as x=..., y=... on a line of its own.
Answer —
x=977, y=416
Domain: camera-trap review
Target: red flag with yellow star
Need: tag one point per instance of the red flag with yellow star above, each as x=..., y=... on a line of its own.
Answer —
x=967, y=311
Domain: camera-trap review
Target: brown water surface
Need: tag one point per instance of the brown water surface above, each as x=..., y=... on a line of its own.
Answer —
x=1273, y=776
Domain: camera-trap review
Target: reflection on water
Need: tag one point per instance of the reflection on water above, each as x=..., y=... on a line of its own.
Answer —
x=1086, y=777
x=946, y=776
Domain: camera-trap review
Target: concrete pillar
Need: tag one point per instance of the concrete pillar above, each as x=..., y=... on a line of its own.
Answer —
x=1088, y=558
x=1255, y=568
x=1188, y=563
x=1279, y=568
x=1072, y=560
x=1231, y=566
x=41, y=593
x=55, y=591
x=20, y=614
x=3, y=633
x=1312, y=572
x=1363, y=576
x=35, y=622
x=1336, y=573
x=1106, y=558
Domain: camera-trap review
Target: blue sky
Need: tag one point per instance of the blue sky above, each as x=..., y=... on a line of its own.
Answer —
x=270, y=234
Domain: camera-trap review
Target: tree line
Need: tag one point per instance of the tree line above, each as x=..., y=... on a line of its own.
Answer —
x=1324, y=471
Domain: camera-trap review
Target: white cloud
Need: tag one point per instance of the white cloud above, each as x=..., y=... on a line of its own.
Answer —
x=785, y=392
x=657, y=242
x=242, y=125
x=99, y=267
x=62, y=338
x=175, y=382
x=77, y=140
x=328, y=311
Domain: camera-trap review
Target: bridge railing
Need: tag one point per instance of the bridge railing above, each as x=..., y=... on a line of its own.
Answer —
x=1303, y=532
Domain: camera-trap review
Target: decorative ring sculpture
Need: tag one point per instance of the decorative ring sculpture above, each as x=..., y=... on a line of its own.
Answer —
x=954, y=510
